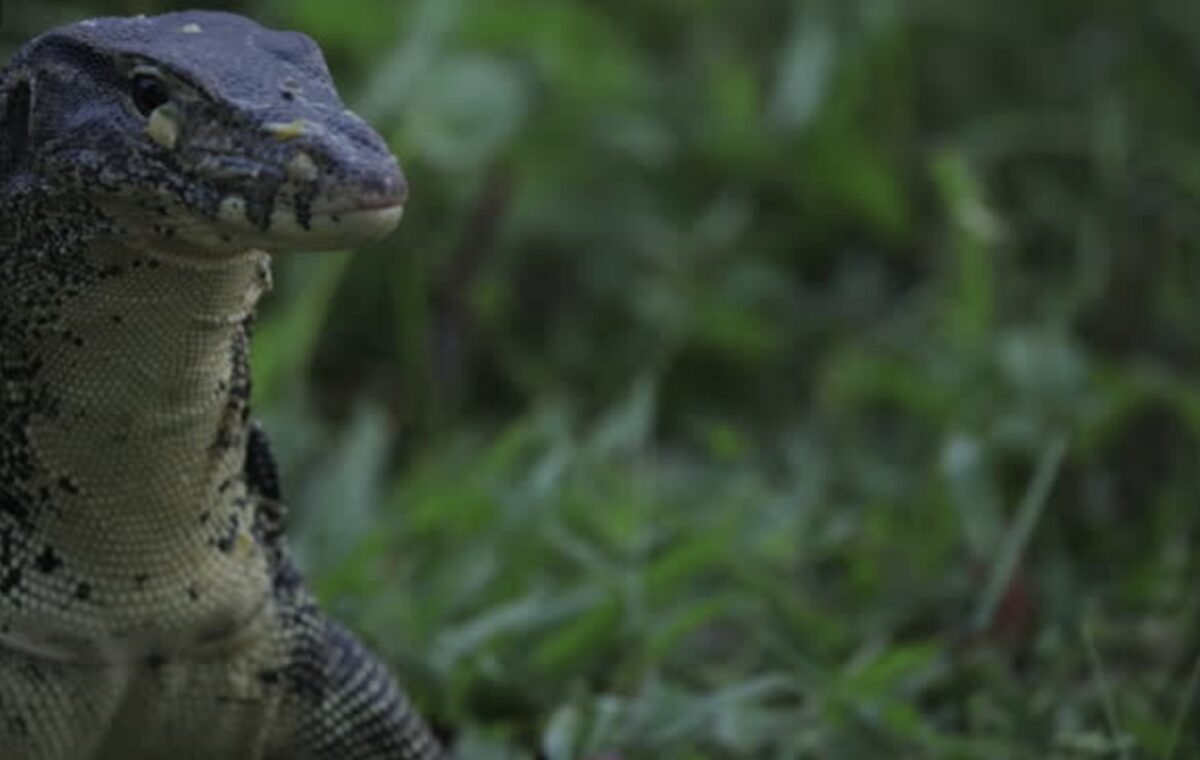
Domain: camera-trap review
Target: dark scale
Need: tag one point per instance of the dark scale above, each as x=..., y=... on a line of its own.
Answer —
x=262, y=472
x=48, y=560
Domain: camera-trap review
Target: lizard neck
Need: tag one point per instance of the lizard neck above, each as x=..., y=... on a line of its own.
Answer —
x=125, y=504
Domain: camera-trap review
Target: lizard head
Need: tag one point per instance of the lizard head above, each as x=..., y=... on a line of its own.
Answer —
x=203, y=132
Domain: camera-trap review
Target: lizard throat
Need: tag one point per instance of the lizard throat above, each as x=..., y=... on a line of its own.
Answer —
x=133, y=459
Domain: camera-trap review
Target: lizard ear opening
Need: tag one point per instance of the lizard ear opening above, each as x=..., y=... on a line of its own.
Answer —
x=14, y=127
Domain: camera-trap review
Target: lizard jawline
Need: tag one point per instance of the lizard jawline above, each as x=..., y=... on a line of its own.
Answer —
x=326, y=230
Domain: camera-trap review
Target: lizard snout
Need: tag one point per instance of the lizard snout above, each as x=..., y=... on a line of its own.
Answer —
x=342, y=162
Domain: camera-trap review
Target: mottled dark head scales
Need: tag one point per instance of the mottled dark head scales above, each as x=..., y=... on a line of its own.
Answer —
x=195, y=127
x=218, y=52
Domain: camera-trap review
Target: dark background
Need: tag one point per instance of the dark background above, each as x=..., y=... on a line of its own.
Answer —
x=759, y=379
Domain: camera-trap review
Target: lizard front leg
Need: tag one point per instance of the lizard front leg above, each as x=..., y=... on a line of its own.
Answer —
x=344, y=703
x=53, y=711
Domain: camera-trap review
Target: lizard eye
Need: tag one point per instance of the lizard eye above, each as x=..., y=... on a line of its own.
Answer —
x=148, y=93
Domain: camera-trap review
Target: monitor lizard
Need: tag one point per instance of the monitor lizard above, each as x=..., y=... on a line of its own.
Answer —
x=149, y=168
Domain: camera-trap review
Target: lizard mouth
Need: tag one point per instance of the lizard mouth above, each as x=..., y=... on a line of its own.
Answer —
x=291, y=208
x=352, y=226
x=320, y=227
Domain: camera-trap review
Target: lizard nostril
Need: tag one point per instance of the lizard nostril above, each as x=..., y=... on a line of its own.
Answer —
x=389, y=188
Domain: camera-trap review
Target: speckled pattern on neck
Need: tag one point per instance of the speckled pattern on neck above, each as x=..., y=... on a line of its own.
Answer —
x=149, y=167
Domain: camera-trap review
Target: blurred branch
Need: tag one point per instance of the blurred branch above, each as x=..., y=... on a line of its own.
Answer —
x=452, y=319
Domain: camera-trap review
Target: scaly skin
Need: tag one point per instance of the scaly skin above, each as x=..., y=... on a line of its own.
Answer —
x=148, y=608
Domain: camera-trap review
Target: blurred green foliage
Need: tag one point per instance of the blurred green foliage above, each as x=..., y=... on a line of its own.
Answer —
x=772, y=380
